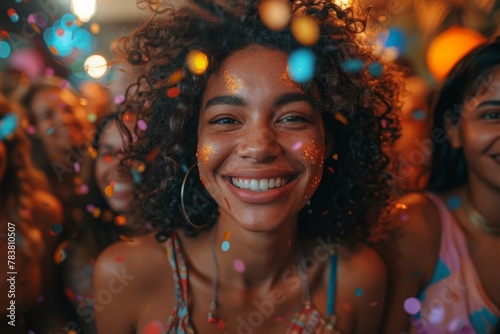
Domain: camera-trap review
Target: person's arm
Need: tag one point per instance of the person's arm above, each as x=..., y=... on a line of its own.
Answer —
x=411, y=258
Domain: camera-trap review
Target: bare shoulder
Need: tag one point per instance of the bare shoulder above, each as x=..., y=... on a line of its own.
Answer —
x=47, y=209
x=128, y=273
x=363, y=264
x=141, y=256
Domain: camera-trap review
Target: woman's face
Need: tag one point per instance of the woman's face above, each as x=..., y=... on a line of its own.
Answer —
x=261, y=143
x=60, y=121
x=479, y=132
x=109, y=173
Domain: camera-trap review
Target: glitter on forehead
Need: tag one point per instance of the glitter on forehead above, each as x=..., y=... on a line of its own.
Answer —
x=233, y=83
x=314, y=153
x=204, y=153
x=286, y=79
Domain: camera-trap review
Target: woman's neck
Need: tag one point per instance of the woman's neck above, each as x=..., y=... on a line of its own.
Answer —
x=254, y=258
x=484, y=198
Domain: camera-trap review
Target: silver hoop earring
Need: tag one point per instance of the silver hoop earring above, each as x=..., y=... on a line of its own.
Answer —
x=183, y=208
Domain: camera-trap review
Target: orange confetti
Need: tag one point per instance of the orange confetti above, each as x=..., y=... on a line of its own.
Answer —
x=341, y=118
x=401, y=206
x=175, y=77
x=96, y=212
x=151, y=155
x=227, y=235
x=120, y=220
x=173, y=92
x=53, y=50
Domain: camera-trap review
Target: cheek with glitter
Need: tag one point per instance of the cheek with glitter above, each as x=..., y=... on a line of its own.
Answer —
x=314, y=153
x=233, y=83
x=204, y=153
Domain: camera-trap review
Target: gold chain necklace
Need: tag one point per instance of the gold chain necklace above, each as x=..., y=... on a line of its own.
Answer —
x=479, y=221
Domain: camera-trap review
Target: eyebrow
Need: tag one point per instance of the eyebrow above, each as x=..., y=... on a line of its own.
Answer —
x=233, y=100
x=494, y=103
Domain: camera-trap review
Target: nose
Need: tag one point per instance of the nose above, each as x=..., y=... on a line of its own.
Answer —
x=259, y=144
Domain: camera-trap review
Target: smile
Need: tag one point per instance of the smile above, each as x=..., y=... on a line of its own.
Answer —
x=259, y=185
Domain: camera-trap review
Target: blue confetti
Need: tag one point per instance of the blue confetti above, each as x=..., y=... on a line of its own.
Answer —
x=359, y=292
x=375, y=69
x=4, y=49
x=454, y=202
x=225, y=246
x=137, y=176
x=418, y=115
x=50, y=131
x=56, y=228
x=353, y=65
x=14, y=18
x=301, y=65
x=8, y=125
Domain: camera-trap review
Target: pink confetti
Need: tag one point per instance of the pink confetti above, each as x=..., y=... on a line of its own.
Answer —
x=84, y=189
x=384, y=123
x=142, y=125
x=49, y=71
x=76, y=167
x=31, y=130
x=90, y=208
x=239, y=265
x=297, y=145
x=412, y=306
x=119, y=99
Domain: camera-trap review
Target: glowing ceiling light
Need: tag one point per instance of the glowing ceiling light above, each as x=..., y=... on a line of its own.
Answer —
x=83, y=9
x=96, y=66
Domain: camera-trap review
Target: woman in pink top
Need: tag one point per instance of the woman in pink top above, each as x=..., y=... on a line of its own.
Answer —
x=445, y=278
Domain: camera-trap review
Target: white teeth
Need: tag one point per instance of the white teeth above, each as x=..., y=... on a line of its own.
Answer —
x=259, y=185
x=119, y=187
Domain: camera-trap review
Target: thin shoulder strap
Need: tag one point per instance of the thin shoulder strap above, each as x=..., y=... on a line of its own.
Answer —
x=330, y=306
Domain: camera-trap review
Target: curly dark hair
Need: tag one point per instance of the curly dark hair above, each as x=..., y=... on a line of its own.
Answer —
x=356, y=106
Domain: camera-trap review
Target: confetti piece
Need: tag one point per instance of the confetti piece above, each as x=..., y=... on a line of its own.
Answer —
x=412, y=306
x=173, y=92
x=383, y=122
x=401, y=206
x=279, y=319
x=31, y=130
x=109, y=190
x=14, y=17
x=176, y=77
x=375, y=69
x=418, y=115
x=275, y=14
x=50, y=131
x=96, y=212
x=436, y=314
x=56, y=228
x=119, y=99
x=60, y=256
x=454, y=202
x=341, y=118
x=227, y=235
x=120, y=220
x=118, y=258
x=154, y=327
x=374, y=304
x=5, y=49
x=76, y=167
x=301, y=65
x=95, y=28
x=84, y=189
x=239, y=266
x=359, y=292
x=197, y=62
x=225, y=246
x=142, y=125
x=92, y=117
x=305, y=30
x=405, y=217
x=220, y=324
x=8, y=125
x=353, y=65
x=136, y=176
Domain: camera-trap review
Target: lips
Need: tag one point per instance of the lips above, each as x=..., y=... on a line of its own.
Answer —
x=260, y=185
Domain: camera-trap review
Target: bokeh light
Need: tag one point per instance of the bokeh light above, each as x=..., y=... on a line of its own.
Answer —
x=301, y=65
x=4, y=49
x=275, y=14
x=197, y=62
x=305, y=30
x=448, y=48
x=96, y=66
x=83, y=9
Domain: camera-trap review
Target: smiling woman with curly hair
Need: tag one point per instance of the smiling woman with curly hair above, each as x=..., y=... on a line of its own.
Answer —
x=262, y=184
